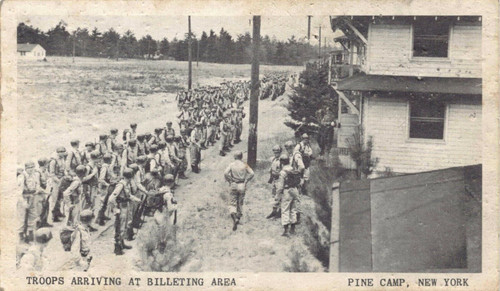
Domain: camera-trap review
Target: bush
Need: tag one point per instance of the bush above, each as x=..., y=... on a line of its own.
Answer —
x=159, y=248
x=318, y=241
x=300, y=261
x=361, y=153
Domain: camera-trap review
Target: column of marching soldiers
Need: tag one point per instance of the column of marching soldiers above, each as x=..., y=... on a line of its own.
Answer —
x=136, y=177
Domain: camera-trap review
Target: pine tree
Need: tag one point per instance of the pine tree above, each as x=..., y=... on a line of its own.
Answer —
x=312, y=94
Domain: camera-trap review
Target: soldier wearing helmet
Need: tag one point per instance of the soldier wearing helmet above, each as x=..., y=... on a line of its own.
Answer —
x=181, y=146
x=168, y=130
x=274, y=173
x=195, y=147
x=107, y=179
x=306, y=152
x=130, y=134
x=120, y=198
x=42, y=203
x=72, y=196
x=74, y=156
x=90, y=183
x=102, y=147
x=287, y=186
x=298, y=167
x=237, y=174
x=29, y=185
x=89, y=148
x=111, y=141
x=137, y=190
x=57, y=170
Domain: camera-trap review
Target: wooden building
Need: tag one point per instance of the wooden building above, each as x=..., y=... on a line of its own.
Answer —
x=418, y=91
x=30, y=51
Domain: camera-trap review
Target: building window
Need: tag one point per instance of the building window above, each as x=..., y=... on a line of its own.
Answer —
x=427, y=119
x=431, y=38
x=23, y=53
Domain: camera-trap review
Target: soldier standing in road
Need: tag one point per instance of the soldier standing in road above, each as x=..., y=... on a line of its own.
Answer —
x=181, y=146
x=56, y=173
x=74, y=157
x=72, y=196
x=287, y=186
x=237, y=174
x=29, y=183
x=42, y=202
x=274, y=174
x=296, y=162
x=195, y=147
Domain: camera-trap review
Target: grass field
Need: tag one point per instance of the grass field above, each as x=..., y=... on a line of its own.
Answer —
x=59, y=100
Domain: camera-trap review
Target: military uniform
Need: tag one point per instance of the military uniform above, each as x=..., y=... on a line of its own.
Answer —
x=28, y=183
x=237, y=174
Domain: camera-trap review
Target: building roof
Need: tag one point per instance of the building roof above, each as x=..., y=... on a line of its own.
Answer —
x=26, y=47
x=421, y=222
x=386, y=83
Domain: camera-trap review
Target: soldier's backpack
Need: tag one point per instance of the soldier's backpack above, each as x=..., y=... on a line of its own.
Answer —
x=66, y=236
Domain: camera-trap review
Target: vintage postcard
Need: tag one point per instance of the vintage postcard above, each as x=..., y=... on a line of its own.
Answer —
x=281, y=145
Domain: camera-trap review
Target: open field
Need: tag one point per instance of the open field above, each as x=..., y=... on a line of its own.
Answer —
x=59, y=100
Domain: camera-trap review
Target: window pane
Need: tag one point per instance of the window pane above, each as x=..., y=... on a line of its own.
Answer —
x=427, y=119
x=430, y=39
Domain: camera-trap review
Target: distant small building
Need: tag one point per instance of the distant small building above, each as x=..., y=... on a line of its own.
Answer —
x=30, y=51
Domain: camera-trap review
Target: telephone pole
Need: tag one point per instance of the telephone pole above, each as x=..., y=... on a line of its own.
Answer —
x=309, y=29
x=254, y=95
x=74, y=39
x=319, y=52
x=190, y=76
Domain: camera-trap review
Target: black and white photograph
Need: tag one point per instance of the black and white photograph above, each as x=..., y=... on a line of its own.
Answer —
x=345, y=143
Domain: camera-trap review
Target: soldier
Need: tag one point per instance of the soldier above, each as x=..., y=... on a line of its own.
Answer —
x=195, y=147
x=181, y=146
x=169, y=130
x=238, y=124
x=224, y=131
x=72, y=196
x=117, y=161
x=131, y=153
x=29, y=184
x=287, y=184
x=130, y=134
x=74, y=157
x=120, y=200
x=274, y=173
x=57, y=174
x=111, y=141
x=183, y=117
x=306, y=152
x=101, y=147
x=33, y=260
x=152, y=163
x=42, y=201
x=137, y=190
x=82, y=255
x=107, y=181
x=237, y=174
x=296, y=162
x=141, y=145
x=212, y=125
x=89, y=148
x=173, y=155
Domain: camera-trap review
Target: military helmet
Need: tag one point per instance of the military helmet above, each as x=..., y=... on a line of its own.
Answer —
x=238, y=155
x=185, y=105
x=43, y=235
x=169, y=122
x=305, y=136
x=107, y=157
x=128, y=173
x=103, y=136
x=141, y=159
x=277, y=148
x=158, y=130
x=153, y=148
x=119, y=146
x=169, y=178
x=199, y=123
x=289, y=144
x=95, y=155
x=89, y=144
x=133, y=125
x=114, y=131
x=29, y=165
x=43, y=161
x=134, y=166
x=80, y=170
x=162, y=145
x=75, y=142
x=86, y=215
x=61, y=150
x=141, y=137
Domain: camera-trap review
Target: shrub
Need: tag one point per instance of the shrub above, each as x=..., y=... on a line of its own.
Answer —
x=300, y=261
x=160, y=249
x=361, y=153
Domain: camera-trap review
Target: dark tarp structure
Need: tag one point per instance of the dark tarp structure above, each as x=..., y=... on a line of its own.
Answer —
x=423, y=222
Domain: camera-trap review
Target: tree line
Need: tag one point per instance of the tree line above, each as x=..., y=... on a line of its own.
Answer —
x=209, y=47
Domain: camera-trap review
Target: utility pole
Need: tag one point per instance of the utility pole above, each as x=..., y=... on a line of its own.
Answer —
x=254, y=95
x=190, y=76
x=319, y=52
x=197, y=52
x=309, y=29
x=74, y=39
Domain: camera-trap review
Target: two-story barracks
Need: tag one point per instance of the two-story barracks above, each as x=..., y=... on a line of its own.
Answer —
x=419, y=88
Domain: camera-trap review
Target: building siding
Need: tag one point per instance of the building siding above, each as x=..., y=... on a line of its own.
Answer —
x=386, y=120
x=390, y=53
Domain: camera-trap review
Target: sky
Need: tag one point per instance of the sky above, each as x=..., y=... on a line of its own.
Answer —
x=281, y=27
